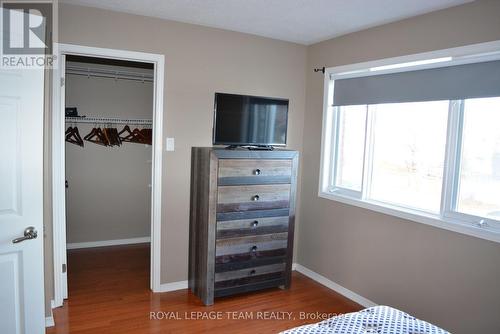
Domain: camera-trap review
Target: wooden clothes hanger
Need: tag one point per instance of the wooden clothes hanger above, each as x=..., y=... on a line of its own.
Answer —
x=96, y=136
x=112, y=136
x=148, y=134
x=107, y=137
x=117, y=138
x=73, y=136
x=134, y=136
x=127, y=131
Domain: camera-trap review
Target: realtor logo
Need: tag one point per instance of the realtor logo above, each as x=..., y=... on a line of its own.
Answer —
x=27, y=30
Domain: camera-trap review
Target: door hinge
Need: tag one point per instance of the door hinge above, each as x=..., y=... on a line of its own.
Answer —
x=64, y=268
x=62, y=82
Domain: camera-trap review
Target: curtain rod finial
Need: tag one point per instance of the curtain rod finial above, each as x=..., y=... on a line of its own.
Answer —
x=322, y=70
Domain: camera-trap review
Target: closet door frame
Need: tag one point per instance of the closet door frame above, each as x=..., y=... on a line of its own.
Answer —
x=58, y=159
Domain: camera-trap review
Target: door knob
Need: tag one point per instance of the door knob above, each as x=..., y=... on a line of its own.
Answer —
x=29, y=233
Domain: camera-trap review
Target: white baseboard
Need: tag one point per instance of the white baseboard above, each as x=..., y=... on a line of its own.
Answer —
x=49, y=321
x=334, y=286
x=167, y=287
x=105, y=243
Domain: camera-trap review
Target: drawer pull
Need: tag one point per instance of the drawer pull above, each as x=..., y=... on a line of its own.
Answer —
x=252, y=272
x=256, y=171
x=253, y=249
x=255, y=223
x=255, y=198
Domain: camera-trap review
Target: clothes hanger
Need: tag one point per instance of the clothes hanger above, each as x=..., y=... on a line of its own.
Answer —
x=69, y=136
x=148, y=134
x=107, y=137
x=73, y=136
x=112, y=136
x=127, y=131
x=91, y=133
x=102, y=137
x=118, y=141
x=138, y=137
x=77, y=135
x=134, y=136
x=68, y=130
x=96, y=136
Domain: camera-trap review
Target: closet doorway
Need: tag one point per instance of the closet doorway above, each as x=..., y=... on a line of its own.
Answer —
x=107, y=133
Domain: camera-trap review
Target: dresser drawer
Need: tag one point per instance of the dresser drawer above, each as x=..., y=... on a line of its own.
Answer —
x=249, y=260
x=247, y=284
x=250, y=167
x=255, y=197
x=251, y=245
x=244, y=227
x=249, y=272
x=249, y=278
x=249, y=171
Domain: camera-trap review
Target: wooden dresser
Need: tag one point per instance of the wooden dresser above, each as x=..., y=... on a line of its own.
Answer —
x=241, y=220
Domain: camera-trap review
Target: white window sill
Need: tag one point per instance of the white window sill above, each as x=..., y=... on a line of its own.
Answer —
x=487, y=233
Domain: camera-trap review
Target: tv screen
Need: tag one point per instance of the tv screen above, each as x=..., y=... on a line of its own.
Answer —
x=250, y=120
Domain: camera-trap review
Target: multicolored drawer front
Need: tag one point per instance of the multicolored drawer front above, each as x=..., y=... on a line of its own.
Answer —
x=254, y=197
x=248, y=279
x=253, y=226
x=251, y=171
x=250, y=244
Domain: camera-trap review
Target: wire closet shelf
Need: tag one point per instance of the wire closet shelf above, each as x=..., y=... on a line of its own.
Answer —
x=109, y=120
x=112, y=74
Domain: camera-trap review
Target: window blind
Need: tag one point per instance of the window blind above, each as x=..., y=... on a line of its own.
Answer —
x=444, y=83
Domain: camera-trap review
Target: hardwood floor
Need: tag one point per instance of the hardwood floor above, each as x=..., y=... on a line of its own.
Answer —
x=109, y=293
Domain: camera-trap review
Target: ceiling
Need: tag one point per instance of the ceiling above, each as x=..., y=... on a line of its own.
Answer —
x=299, y=21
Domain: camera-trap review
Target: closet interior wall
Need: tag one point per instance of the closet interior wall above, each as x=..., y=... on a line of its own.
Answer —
x=109, y=188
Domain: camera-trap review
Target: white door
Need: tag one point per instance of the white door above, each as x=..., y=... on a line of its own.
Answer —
x=21, y=201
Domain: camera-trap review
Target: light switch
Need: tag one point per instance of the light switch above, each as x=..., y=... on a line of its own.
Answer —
x=170, y=145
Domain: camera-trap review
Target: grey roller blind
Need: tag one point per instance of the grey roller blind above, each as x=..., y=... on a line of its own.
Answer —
x=444, y=83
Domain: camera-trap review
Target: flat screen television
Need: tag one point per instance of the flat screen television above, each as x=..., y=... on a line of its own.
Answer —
x=242, y=120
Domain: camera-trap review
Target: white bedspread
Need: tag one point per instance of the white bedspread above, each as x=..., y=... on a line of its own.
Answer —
x=378, y=319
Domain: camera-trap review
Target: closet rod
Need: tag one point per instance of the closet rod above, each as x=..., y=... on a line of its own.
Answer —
x=107, y=120
x=102, y=73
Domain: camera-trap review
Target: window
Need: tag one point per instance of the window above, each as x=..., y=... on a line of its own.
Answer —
x=408, y=142
x=351, y=147
x=399, y=143
x=479, y=176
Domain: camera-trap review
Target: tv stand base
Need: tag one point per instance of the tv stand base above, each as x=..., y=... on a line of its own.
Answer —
x=260, y=148
x=251, y=148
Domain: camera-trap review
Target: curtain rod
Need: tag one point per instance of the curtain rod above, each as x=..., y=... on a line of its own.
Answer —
x=112, y=74
x=108, y=120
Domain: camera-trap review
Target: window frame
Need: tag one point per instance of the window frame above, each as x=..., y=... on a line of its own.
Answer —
x=447, y=218
x=334, y=159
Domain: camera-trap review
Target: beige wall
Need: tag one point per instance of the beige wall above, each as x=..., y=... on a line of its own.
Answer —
x=199, y=61
x=108, y=196
x=444, y=277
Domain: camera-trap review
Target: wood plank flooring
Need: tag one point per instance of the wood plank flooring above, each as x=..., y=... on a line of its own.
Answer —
x=109, y=293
